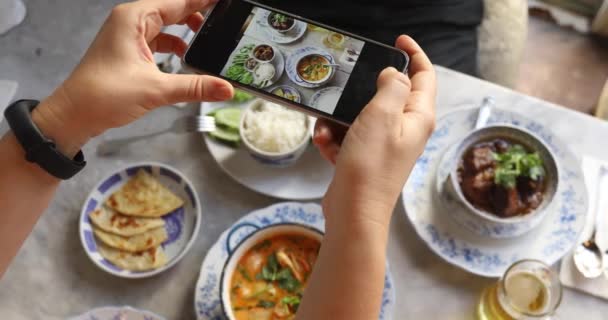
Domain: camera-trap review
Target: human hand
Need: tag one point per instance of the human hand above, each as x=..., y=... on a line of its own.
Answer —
x=117, y=81
x=381, y=147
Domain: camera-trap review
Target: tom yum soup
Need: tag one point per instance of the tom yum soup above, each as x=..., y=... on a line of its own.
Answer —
x=502, y=177
x=269, y=280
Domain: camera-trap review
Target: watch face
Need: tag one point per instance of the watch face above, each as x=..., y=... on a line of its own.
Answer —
x=38, y=149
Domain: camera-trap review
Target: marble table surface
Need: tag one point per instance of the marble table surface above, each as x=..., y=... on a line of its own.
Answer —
x=52, y=278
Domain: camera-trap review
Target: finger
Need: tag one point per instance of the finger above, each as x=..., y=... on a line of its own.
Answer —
x=174, y=11
x=194, y=21
x=194, y=88
x=418, y=59
x=392, y=93
x=323, y=140
x=328, y=137
x=168, y=43
x=154, y=14
x=422, y=74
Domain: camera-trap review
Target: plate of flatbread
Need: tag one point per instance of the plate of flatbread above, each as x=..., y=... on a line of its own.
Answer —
x=140, y=220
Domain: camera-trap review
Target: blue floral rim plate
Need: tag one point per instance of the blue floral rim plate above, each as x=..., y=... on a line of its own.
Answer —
x=207, y=302
x=117, y=313
x=484, y=256
x=182, y=225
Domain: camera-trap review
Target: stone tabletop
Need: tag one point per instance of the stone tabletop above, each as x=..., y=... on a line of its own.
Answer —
x=52, y=278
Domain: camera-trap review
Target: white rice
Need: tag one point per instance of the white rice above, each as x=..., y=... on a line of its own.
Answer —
x=274, y=128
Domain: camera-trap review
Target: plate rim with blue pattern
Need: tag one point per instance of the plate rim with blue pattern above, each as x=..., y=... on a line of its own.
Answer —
x=488, y=257
x=186, y=217
x=115, y=312
x=207, y=303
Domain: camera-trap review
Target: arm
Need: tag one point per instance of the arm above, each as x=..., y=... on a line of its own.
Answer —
x=372, y=165
x=116, y=82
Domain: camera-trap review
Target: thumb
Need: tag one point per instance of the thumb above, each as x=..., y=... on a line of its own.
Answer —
x=194, y=88
x=393, y=91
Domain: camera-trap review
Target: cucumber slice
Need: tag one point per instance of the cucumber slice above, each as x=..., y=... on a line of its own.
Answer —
x=227, y=136
x=229, y=117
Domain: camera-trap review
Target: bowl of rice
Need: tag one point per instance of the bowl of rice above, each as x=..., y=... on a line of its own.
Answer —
x=274, y=135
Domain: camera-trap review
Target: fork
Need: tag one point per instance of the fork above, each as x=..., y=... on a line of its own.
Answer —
x=179, y=126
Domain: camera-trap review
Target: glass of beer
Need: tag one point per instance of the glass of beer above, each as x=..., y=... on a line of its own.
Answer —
x=528, y=290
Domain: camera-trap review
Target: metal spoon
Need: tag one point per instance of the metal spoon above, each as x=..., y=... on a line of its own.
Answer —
x=589, y=258
x=485, y=111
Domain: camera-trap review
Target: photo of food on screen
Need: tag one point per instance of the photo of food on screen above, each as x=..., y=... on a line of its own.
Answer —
x=294, y=60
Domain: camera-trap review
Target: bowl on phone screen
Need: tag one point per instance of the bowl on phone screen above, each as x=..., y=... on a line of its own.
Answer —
x=263, y=53
x=280, y=22
x=315, y=68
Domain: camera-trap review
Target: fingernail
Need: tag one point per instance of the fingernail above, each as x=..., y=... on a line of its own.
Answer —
x=222, y=93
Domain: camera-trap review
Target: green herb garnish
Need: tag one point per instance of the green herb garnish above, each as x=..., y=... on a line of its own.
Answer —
x=292, y=301
x=244, y=273
x=266, y=304
x=283, y=276
x=517, y=162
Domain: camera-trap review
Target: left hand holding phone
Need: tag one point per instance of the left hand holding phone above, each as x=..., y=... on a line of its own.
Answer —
x=117, y=80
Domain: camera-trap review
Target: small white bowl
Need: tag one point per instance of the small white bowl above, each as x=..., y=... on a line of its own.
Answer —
x=182, y=225
x=235, y=254
x=276, y=159
x=487, y=224
x=269, y=77
x=274, y=53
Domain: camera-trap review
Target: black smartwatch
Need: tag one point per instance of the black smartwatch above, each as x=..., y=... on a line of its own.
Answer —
x=38, y=148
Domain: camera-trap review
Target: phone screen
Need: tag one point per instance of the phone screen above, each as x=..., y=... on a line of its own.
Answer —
x=323, y=70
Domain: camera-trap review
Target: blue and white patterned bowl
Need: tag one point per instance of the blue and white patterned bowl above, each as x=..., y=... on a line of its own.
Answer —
x=207, y=302
x=486, y=256
x=182, y=225
x=254, y=238
x=117, y=313
x=273, y=159
x=479, y=221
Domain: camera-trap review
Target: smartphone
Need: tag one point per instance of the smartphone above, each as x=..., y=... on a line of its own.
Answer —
x=291, y=60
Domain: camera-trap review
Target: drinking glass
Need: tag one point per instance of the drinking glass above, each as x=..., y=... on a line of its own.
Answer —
x=529, y=289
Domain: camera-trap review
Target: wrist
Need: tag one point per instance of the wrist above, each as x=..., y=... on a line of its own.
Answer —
x=55, y=117
x=353, y=207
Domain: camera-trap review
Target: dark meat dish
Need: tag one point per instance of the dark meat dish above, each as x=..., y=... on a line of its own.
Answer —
x=264, y=53
x=281, y=22
x=502, y=178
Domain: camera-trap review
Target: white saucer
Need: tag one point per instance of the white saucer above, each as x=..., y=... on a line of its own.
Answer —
x=489, y=257
x=117, y=313
x=291, y=36
x=207, y=293
x=307, y=179
x=326, y=99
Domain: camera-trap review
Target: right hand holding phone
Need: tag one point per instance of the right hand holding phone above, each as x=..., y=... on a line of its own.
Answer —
x=375, y=156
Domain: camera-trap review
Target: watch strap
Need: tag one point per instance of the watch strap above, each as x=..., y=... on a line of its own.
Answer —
x=39, y=149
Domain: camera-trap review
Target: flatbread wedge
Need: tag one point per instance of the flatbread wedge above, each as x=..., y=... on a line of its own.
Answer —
x=136, y=243
x=147, y=260
x=111, y=221
x=144, y=196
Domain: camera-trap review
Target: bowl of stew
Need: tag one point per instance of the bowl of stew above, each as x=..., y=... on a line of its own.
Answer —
x=266, y=274
x=263, y=53
x=505, y=177
x=315, y=69
x=280, y=22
